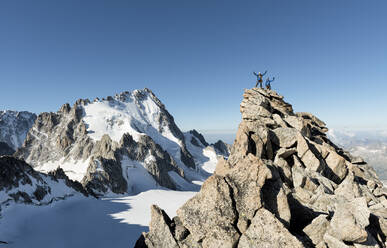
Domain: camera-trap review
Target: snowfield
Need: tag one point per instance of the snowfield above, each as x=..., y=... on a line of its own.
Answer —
x=81, y=222
x=75, y=170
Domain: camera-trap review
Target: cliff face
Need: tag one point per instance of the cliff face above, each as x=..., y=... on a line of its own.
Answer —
x=14, y=126
x=285, y=184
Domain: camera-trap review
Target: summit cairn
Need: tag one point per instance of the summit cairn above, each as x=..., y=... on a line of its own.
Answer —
x=285, y=184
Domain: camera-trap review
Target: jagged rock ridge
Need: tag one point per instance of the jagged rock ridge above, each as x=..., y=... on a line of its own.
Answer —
x=285, y=184
x=20, y=183
x=113, y=144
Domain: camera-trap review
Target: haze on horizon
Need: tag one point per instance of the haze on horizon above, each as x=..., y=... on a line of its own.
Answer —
x=328, y=57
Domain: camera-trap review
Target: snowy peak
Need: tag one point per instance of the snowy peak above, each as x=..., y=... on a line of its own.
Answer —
x=14, y=126
x=136, y=113
x=119, y=144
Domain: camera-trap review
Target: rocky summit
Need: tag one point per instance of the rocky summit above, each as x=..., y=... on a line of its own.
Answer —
x=285, y=184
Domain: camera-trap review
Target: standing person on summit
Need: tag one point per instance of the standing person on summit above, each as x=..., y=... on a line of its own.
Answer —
x=268, y=83
x=259, y=78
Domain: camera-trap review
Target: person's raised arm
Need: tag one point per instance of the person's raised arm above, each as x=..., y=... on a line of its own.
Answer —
x=264, y=73
x=255, y=74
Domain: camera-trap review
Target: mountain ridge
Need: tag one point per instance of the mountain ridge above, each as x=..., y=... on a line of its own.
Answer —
x=101, y=143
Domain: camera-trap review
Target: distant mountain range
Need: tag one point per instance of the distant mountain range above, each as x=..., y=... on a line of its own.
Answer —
x=369, y=144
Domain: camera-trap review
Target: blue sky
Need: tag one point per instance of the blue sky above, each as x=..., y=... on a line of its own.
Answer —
x=329, y=57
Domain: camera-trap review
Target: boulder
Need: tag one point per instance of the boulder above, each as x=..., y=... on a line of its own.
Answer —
x=337, y=165
x=316, y=230
x=308, y=116
x=333, y=242
x=266, y=231
x=247, y=187
x=284, y=137
x=350, y=220
x=279, y=121
x=159, y=231
x=308, y=155
x=300, y=124
x=349, y=188
x=210, y=215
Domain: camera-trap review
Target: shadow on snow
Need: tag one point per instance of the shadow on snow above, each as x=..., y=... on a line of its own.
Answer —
x=72, y=223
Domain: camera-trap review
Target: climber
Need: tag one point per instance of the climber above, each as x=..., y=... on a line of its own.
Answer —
x=259, y=78
x=268, y=83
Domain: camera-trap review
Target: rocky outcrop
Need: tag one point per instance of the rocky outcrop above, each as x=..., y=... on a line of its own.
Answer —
x=89, y=140
x=14, y=126
x=285, y=184
x=20, y=183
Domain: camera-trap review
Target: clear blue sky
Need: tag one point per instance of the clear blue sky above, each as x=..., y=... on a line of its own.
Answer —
x=329, y=57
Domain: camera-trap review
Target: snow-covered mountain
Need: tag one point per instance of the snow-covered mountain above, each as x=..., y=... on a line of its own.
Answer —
x=123, y=144
x=20, y=183
x=368, y=144
x=14, y=126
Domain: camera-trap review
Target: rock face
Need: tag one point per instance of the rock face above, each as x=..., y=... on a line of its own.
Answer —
x=20, y=183
x=285, y=184
x=125, y=143
x=14, y=127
